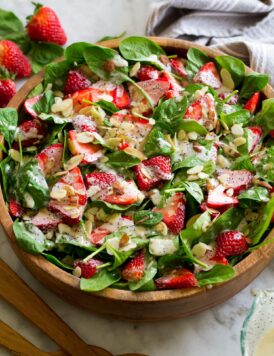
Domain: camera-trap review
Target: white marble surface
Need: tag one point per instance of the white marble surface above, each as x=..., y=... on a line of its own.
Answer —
x=214, y=332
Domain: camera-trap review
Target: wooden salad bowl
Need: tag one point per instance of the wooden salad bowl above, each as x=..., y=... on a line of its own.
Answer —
x=137, y=306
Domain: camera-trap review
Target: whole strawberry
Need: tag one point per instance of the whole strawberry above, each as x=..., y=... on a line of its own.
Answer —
x=7, y=90
x=76, y=80
x=13, y=59
x=88, y=269
x=230, y=243
x=45, y=26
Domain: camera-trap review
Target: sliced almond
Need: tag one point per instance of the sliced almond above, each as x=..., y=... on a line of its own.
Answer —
x=69, y=189
x=239, y=141
x=58, y=194
x=134, y=152
x=195, y=170
x=15, y=155
x=73, y=162
x=227, y=79
x=84, y=137
x=161, y=228
x=89, y=227
x=113, y=142
x=192, y=136
x=192, y=177
x=77, y=272
x=135, y=69
x=203, y=175
x=237, y=130
x=223, y=162
x=230, y=192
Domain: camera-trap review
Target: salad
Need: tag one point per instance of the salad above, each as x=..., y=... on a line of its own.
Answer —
x=141, y=170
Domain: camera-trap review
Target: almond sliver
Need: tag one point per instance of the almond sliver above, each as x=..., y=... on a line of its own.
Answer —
x=73, y=162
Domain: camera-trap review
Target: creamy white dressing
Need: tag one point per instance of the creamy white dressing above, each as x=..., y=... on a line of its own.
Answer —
x=265, y=345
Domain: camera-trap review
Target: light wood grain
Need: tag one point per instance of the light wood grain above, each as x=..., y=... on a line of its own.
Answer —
x=143, y=306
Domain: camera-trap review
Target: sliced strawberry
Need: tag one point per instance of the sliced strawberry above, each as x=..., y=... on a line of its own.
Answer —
x=28, y=105
x=232, y=101
x=46, y=220
x=218, y=199
x=178, y=278
x=82, y=123
x=178, y=67
x=16, y=210
x=69, y=213
x=194, y=111
x=133, y=270
x=253, y=102
x=212, y=212
x=237, y=180
x=271, y=133
x=31, y=132
x=92, y=152
x=121, y=98
x=74, y=179
x=173, y=83
x=254, y=137
x=208, y=75
x=123, y=145
x=174, y=212
x=155, y=88
x=230, y=243
x=76, y=80
x=220, y=260
x=102, y=180
x=50, y=159
x=147, y=72
x=88, y=268
x=152, y=171
x=124, y=194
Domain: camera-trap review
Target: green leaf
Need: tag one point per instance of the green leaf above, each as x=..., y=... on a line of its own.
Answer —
x=100, y=280
x=252, y=83
x=190, y=256
x=30, y=181
x=192, y=126
x=107, y=38
x=192, y=233
x=56, y=73
x=229, y=220
x=9, y=23
x=141, y=49
x=156, y=144
x=252, y=196
x=217, y=274
x=196, y=59
x=263, y=223
x=44, y=53
x=234, y=66
x=112, y=207
x=188, y=162
x=53, y=259
x=243, y=162
x=45, y=103
x=7, y=168
x=21, y=39
x=238, y=117
x=29, y=237
x=265, y=118
x=265, y=165
x=58, y=120
x=122, y=159
x=149, y=274
x=109, y=107
x=147, y=218
x=8, y=124
x=195, y=191
x=75, y=52
x=36, y=91
x=80, y=241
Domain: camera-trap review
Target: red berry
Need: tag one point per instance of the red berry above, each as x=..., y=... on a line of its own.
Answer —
x=50, y=159
x=89, y=268
x=134, y=269
x=45, y=220
x=230, y=243
x=15, y=209
x=208, y=75
x=45, y=26
x=7, y=91
x=76, y=80
x=147, y=72
x=255, y=135
x=178, y=67
x=253, y=102
x=178, y=278
x=13, y=59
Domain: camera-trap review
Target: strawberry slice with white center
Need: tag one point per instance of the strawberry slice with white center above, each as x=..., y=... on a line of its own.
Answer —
x=237, y=180
x=150, y=172
x=178, y=67
x=82, y=123
x=255, y=134
x=218, y=199
x=31, y=132
x=120, y=97
x=147, y=72
x=134, y=270
x=69, y=213
x=46, y=220
x=203, y=111
x=253, y=102
x=28, y=106
x=177, y=278
x=91, y=152
x=74, y=179
x=50, y=159
x=113, y=189
x=208, y=75
x=174, y=212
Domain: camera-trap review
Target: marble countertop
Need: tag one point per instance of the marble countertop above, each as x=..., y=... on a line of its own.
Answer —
x=217, y=330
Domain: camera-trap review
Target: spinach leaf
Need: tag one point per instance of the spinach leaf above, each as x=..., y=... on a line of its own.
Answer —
x=7, y=167
x=149, y=274
x=195, y=191
x=234, y=66
x=192, y=88
x=58, y=120
x=107, y=38
x=252, y=83
x=196, y=59
x=112, y=207
x=190, y=256
x=238, y=117
x=75, y=52
x=147, y=218
x=252, y=196
x=55, y=131
x=29, y=237
x=265, y=118
x=45, y=103
x=119, y=256
x=36, y=91
x=261, y=226
x=122, y=159
x=265, y=165
x=217, y=274
x=141, y=49
x=192, y=233
x=109, y=107
x=243, y=162
x=31, y=186
x=156, y=144
x=107, y=64
x=188, y=162
x=53, y=259
x=174, y=260
x=83, y=243
x=56, y=73
x=192, y=126
x=8, y=124
x=44, y=53
x=9, y=23
x=101, y=280
x=229, y=220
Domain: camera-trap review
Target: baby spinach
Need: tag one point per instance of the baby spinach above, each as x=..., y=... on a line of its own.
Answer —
x=101, y=280
x=75, y=52
x=234, y=66
x=107, y=38
x=217, y=274
x=196, y=59
x=156, y=144
x=265, y=118
x=120, y=159
x=194, y=190
x=252, y=196
x=36, y=91
x=119, y=256
x=192, y=233
x=243, y=162
x=7, y=167
x=265, y=165
x=192, y=126
x=31, y=181
x=45, y=103
x=56, y=73
x=58, y=120
x=8, y=124
x=238, y=117
x=149, y=274
x=141, y=49
x=252, y=83
x=9, y=23
x=53, y=259
x=188, y=162
x=29, y=237
x=187, y=250
x=43, y=53
x=147, y=218
x=109, y=107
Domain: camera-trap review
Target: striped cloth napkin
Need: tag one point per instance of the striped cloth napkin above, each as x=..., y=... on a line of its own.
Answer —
x=241, y=28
